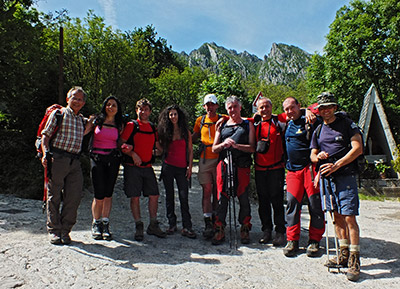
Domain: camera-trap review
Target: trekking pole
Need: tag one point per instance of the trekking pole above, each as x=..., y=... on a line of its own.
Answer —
x=231, y=193
x=326, y=221
x=334, y=224
x=332, y=215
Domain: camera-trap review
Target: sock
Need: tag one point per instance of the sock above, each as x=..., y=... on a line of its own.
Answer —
x=343, y=243
x=355, y=248
x=97, y=221
x=105, y=220
x=207, y=215
x=138, y=220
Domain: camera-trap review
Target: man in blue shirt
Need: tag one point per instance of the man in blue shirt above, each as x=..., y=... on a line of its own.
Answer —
x=299, y=180
x=336, y=145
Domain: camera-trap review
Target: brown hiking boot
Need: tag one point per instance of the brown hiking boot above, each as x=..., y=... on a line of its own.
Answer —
x=154, y=229
x=279, y=240
x=208, y=232
x=291, y=248
x=266, y=237
x=353, y=274
x=219, y=235
x=343, y=258
x=245, y=234
x=139, y=234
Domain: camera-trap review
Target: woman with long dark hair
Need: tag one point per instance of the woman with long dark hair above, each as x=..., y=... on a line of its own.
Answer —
x=176, y=140
x=105, y=159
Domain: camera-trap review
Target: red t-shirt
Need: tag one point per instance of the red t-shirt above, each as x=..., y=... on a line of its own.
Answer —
x=142, y=142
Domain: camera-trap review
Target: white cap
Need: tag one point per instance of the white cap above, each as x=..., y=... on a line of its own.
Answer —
x=210, y=98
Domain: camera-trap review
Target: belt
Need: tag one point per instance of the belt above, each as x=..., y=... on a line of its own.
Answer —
x=66, y=154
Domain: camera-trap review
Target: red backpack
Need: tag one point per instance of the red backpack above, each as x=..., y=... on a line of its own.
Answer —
x=38, y=142
x=42, y=125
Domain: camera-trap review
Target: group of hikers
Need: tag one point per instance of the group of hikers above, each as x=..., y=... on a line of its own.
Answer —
x=317, y=146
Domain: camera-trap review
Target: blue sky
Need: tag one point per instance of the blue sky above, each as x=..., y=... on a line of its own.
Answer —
x=251, y=25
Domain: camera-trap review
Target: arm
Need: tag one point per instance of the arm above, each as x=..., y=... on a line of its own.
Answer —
x=45, y=148
x=190, y=156
x=248, y=148
x=89, y=124
x=195, y=136
x=355, y=151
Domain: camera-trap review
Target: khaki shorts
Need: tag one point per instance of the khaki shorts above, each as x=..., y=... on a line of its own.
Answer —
x=207, y=171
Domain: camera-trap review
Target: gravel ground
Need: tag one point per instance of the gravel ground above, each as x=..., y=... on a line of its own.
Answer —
x=28, y=260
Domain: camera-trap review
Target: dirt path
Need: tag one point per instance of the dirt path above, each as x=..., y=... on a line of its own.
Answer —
x=28, y=260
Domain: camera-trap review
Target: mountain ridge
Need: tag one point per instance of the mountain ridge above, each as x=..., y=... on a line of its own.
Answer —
x=284, y=63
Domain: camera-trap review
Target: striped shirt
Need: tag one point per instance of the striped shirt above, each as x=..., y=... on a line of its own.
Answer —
x=70, y=133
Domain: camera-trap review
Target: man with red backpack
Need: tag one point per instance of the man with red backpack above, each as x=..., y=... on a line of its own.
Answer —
x=270, y=172
x=140, y=139
x=63, y=152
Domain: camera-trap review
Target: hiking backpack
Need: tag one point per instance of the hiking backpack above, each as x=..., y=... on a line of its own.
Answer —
x=361, y=163
x=42, y=125
x=136, y=129
x=202, y=146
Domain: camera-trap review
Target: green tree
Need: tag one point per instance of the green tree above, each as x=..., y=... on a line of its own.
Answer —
x=224, y=84
x=362, y=48
x=28, y=69
x=175, y=87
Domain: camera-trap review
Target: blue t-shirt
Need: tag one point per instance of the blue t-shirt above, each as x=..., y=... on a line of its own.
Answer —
x=297, y=145
x=335, y=139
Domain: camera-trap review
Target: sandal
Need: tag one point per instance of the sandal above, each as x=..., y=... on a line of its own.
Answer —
x=188, y=233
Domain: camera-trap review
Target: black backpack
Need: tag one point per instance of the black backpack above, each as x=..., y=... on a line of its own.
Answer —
x=360, y=163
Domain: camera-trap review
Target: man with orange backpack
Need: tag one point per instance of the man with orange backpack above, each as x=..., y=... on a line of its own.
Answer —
x=63, y=151
x=204, y=128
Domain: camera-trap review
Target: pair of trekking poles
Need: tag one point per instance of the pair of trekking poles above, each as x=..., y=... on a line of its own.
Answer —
x=327, y=186
x=230, y=186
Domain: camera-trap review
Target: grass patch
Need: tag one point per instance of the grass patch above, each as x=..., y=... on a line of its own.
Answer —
x=379, y=198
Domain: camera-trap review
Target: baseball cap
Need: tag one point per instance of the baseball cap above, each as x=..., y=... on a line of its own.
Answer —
x=210, y=98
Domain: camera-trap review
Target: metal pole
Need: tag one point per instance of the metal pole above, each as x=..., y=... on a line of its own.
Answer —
x=61, y=68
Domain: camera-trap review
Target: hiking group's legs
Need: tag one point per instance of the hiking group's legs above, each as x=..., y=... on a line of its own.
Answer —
x=345, y=206
x=169, y=174
x=64, y=194
x=269, y=185
x=298, y=183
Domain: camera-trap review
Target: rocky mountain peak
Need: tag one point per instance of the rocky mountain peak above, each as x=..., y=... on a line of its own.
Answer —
x=284, y=63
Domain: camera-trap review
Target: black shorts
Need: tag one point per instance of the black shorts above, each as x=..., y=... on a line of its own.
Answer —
x=104, y=169
x=138, y=180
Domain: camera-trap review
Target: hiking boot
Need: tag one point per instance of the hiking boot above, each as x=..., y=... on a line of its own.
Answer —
x=97, y=230
x=244, y=234
x=291, y=248
x=219, y=235
x=154, y=229
x=279, y=240
x=266, y=237
x=312, y=249
x=106, y=231
x=65, y=239
x=208, y=229
x=353, y=274
x=55, y=239
x=343, y=258
x=188, y=233
x=139, y=234
x=171, y=230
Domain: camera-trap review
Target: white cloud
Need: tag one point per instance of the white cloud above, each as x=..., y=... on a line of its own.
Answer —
x=110, y=13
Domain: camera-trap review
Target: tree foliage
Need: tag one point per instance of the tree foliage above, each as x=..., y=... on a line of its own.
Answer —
x=362, y=48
